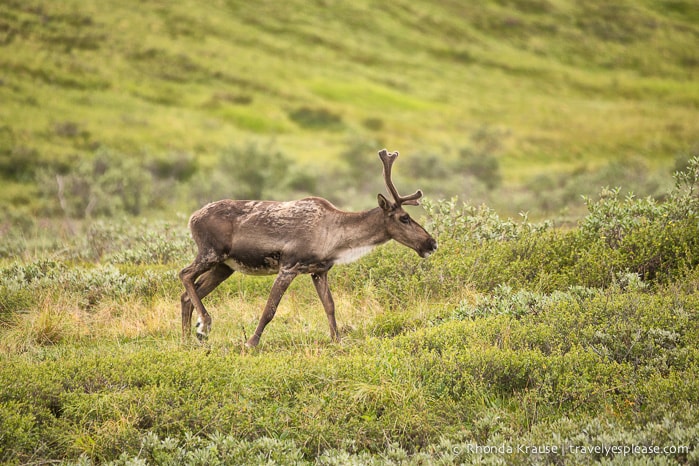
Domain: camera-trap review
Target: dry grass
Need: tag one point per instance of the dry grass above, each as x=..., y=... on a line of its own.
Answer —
x=59, y=320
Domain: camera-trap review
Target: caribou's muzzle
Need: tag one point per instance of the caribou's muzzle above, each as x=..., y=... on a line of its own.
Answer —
x=428, y=248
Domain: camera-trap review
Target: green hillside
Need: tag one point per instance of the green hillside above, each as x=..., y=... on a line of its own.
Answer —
x=558, y=83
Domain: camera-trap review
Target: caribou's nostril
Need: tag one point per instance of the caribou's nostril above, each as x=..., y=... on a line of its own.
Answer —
x=430, y=246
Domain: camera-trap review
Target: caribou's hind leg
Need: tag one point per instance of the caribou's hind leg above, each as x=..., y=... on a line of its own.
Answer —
x=189, y=275
x=206, y=283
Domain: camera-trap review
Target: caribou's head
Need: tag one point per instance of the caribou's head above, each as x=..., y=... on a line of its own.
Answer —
x=399, y=225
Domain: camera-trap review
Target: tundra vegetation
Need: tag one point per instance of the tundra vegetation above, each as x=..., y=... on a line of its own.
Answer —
x=519, y=333
x=574, y=326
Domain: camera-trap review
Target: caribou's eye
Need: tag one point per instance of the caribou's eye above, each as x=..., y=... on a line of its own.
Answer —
x=405, y=219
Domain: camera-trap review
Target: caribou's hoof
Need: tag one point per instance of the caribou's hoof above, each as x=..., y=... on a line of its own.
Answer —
x=202, y=331
x=252, y=342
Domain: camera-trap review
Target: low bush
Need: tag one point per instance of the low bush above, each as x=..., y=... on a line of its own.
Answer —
x=659, y=242
x=548, y=379
x=144, y=242
x=316, y=118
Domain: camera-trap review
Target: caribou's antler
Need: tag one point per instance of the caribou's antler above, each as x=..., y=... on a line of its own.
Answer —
x=387, y=158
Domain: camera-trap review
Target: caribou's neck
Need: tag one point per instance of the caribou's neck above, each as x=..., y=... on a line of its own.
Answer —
x=360, y=232
x=364, y=228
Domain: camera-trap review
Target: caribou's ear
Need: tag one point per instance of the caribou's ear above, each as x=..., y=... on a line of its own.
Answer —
x=385, y=204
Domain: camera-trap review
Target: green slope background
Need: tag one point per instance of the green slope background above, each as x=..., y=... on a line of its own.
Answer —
x=543, y=90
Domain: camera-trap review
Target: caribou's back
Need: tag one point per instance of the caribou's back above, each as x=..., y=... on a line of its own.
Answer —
x=257, y=237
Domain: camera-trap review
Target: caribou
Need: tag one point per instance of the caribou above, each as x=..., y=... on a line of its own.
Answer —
x=307, y=236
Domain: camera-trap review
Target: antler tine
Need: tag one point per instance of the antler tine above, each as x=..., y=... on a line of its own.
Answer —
x=412, y=199
x=387, y=159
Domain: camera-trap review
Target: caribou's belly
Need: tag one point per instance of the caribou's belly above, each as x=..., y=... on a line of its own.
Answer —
x=269, y=265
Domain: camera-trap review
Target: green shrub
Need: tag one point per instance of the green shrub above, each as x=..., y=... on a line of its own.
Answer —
x=553, y=192
x=18, y=431
x=145, y=242
x=13, y=245
x=316, y=118
x=479, y=159
x=520, y=303
x=248, y=171
x=25, y=285
x=180, y=166
x=17, y=161
x=449, y=219
x=657, y=241
x=18, y=286
x=108, y=184
x=391, y=324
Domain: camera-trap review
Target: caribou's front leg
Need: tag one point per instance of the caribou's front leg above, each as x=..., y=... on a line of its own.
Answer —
x=282, y=282
x=320, y=280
